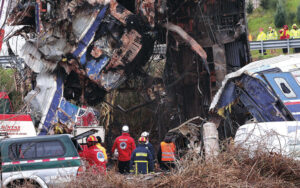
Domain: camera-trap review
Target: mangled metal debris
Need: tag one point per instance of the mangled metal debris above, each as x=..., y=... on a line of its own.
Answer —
x=196, y=135
x=263, y=91
x=83, y=49
x=88, y=47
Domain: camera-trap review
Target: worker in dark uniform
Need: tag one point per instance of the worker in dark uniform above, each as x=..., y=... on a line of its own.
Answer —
x=149, y=146
x=141, y=159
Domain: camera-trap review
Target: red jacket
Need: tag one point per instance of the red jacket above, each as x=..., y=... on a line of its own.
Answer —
x=125, y=145
x=95, y=157
x=284, y=34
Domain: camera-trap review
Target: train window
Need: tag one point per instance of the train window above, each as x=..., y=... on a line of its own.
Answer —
x=285, y=88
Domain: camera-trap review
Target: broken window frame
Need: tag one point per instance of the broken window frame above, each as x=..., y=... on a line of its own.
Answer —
x=279, y=81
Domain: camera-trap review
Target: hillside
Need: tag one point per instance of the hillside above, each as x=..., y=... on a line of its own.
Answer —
x=265, y=18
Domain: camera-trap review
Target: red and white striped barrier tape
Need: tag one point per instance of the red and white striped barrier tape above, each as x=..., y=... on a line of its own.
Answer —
x=40, y=160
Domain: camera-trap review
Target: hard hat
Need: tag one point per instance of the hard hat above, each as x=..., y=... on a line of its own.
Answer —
x=125, y=129
x=145, y=134
x=92, y=139
x=142, y=139
x=294, y=25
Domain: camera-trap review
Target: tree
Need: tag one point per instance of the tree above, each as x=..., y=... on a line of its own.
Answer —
x=250, y=7
x=272, y=4
x=298, y=14
x=280, y=16
x=265, y=4
x=291, y=17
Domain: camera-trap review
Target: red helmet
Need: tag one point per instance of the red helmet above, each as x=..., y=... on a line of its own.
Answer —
x=92, y=139
x=142, y=139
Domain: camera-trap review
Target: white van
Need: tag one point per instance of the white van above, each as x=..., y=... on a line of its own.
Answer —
x=276, y=137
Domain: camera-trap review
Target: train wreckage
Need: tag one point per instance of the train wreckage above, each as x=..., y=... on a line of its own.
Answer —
x=263, y=91
x=81, y=50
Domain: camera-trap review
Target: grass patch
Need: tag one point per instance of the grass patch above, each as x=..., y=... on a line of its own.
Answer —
x=265, y=18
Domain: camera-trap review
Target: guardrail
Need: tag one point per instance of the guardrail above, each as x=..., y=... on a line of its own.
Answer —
x=275, y=44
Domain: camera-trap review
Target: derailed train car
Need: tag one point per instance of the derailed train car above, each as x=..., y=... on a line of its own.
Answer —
x=263, y=91
x=83, y=49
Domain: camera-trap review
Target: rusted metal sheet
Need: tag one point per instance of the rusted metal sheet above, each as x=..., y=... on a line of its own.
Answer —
x=131, y=46
x=119, y=12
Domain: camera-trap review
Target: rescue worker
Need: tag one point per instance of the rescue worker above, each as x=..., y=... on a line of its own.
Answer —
x=250, y=38
x=261, y=37
x=125, y=146
x=101, y=147
x=295, y=34
x=141, y=159
x=94, y=155
x=149, y=146
x=284, y=34
x=166, y=154
x=272, y=35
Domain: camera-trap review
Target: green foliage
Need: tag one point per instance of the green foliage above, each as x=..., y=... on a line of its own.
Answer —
x=298, y=14
x=291, y=17
x=250, y=7
x=280, y=16
x=6, y=80
x=265, y=4
x=273, y=4
x=7, y=84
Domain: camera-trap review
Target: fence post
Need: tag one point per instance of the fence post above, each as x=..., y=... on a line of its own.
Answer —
x=288, y=45
x=262, y=47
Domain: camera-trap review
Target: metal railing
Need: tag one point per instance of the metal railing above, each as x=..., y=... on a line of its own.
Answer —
x=275, y=44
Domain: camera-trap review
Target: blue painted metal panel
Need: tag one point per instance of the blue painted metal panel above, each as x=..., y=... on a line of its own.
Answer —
x=37, y=16
x=67, y=112
x=94, y=67
x=51, y=115
x=82, y=45
x=292, y=103
x=259, y=101
x=228, y=96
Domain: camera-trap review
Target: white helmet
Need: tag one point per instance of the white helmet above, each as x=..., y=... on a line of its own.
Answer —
x=145, y=134
x=125, y=128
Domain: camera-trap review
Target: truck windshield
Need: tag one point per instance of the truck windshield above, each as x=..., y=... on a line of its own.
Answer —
x=5, y=107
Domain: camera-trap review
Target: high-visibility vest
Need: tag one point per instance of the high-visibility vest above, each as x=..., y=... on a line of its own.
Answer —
x=103, y=150
x=261, y=36
x=250, y=37
x=297, y=34
x=167, y=151
x=294, y=33
x=272, y=35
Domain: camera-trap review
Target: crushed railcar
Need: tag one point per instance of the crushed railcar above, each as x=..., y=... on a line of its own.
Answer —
x=82, y=50
x=263, y=91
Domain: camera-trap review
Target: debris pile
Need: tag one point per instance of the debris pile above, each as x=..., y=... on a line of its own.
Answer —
x=80, y=50
x=263, y=91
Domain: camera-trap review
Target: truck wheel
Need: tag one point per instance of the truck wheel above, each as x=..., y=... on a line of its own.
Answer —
x=23, y=183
